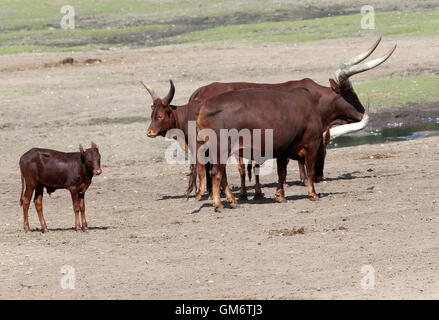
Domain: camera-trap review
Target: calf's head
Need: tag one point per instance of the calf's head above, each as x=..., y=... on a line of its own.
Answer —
x=161, y=117
x=91, y=158
x=346, y=99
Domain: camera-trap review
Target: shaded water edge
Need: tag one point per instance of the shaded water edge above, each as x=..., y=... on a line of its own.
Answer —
x=392, y=132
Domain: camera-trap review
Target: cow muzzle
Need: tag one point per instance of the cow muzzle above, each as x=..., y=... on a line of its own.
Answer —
x=151, y=133
x=97, y=172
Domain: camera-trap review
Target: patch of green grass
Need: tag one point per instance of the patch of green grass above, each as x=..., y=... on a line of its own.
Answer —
x=416, y=22
x=35, y=24
x=77, y=33
x=26, y=49
x=19, y=13
x=396, y=91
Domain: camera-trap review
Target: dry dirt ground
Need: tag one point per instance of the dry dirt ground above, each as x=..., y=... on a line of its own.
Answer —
x=146, y=242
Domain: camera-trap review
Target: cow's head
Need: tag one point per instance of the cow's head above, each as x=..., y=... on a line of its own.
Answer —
x=91, y=158
x=345, y=98
x=161, y=117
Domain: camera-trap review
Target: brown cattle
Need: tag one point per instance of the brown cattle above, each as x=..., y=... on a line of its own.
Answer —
x=51, y=169
x=165, y=117
x=340, y=93
x=292, y=115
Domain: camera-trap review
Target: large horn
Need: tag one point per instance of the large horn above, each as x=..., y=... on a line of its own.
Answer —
x=168, y=99
x=344, y=74
x=351, y=127
x=154, y=96
x=351, y=67
x=361, y=56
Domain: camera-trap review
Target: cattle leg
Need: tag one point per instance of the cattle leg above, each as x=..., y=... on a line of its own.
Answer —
x=209, y=180
x=310, y=159
x=320, y=163
x=38, y=201
x=243, y=190
x=229, y=195
x=202, y=182
x=75, y=201
x=282, y=175
x=258, y=190
x=217, y=174
x=25, y=201
x=82, y=209
x=302, y=172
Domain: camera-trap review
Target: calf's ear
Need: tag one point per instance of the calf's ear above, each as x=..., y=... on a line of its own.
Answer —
x=81, y=148
x=334, y=86
x=94, y=145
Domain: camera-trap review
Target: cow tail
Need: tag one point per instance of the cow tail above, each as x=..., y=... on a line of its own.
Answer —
x=192, y=180
x=22, y=190
x=249, y=171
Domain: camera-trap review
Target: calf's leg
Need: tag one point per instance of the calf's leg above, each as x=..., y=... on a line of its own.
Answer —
x=82, y=209
x=76, y=206
x=25, y=200
x=38, y=201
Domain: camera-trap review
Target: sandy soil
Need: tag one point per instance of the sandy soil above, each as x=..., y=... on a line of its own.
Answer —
x=147, y=242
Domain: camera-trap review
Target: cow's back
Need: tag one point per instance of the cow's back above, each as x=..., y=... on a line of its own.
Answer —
x=288, y=113
x=216, y=88
x=51, y=168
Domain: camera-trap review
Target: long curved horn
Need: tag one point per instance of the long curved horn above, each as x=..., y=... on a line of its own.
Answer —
x=362, y=56
x=154, y=96
x=344, y=74
x=168, y=99
x=351, y=127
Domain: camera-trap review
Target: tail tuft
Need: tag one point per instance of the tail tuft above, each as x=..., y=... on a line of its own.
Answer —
x=192, y=180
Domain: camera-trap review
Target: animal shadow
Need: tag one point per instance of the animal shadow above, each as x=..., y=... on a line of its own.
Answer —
x=71, y=229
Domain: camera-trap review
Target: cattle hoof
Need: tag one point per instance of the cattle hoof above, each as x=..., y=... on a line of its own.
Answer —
x=280, y=199
x=45, y=230
x=199, y=197
x=313, y=197
x=258, y=196
x=243, y=196
x=280, y=196
x=219, y=208
x=26, y=229
x=233, y=204
x=319, y=179
x=84, y=229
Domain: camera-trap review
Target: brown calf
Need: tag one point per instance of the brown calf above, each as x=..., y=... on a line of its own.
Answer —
x=51, y=169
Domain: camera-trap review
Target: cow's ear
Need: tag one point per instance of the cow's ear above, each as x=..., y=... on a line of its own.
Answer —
x=334, y=86
x=81, y=148
x=94, y=145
